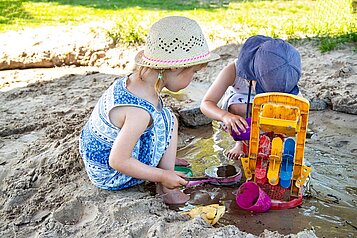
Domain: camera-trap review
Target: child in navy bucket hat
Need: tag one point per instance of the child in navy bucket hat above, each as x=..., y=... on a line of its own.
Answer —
x=264, y=64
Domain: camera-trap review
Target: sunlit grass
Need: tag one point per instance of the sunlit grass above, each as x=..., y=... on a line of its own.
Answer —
x=330, y=20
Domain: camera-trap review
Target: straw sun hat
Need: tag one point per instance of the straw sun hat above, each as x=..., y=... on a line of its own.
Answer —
x=175, y=42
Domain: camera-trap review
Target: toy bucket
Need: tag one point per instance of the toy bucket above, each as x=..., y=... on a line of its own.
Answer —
x=252, y=198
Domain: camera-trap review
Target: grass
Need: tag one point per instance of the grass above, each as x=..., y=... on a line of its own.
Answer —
x=332, y=22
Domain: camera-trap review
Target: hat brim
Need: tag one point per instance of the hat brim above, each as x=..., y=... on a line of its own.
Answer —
x=156, y=65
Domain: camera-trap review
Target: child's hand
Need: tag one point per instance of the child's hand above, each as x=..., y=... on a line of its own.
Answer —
x=234, y=122
x=173, y=179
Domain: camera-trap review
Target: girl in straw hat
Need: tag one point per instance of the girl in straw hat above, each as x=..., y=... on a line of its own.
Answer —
x=264, y=64
x=130, y=136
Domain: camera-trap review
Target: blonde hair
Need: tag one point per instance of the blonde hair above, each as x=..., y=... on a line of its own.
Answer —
x=159, y=82
x=142, y=69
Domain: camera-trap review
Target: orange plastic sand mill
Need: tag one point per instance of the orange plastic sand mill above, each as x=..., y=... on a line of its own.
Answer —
x=276, y=148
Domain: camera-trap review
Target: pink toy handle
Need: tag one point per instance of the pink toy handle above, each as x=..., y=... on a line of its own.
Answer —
x=194, y=183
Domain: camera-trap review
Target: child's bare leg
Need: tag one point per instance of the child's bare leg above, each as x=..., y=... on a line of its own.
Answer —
x=181, y=162
x=171, y=196
x=236, y=151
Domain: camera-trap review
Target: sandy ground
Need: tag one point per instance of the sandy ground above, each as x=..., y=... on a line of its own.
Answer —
x=45, y=191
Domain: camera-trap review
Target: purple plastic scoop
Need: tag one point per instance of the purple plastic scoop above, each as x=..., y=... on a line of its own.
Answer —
x=243, y=135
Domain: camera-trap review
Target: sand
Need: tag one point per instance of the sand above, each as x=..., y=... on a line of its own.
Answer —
x=44, y=190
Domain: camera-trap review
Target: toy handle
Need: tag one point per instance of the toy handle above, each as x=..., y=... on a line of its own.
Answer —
x=197, y=182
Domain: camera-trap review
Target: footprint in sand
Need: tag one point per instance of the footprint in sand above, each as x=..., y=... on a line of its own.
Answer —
x=75, y=212
x=69, y=213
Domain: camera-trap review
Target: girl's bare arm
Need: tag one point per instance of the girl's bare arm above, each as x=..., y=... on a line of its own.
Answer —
x=209, y=103
x=135, y=122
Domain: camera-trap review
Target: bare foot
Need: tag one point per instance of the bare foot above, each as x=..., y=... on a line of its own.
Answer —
x=181, y=162
x=236, y=152
x=172, y=196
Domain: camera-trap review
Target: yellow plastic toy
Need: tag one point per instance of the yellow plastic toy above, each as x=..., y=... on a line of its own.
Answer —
x=285, y=116
x=210, y=213
x=275, y=161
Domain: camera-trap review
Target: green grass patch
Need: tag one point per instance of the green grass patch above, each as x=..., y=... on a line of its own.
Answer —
x=333, y=22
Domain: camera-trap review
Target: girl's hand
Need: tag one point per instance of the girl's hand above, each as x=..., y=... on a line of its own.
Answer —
x=234, y=122
x=173, y=179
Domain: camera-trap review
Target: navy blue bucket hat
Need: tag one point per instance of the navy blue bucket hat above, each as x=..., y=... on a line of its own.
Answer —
x=273, y=63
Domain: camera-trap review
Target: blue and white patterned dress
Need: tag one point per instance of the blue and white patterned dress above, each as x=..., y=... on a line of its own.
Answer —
x=98, y=135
